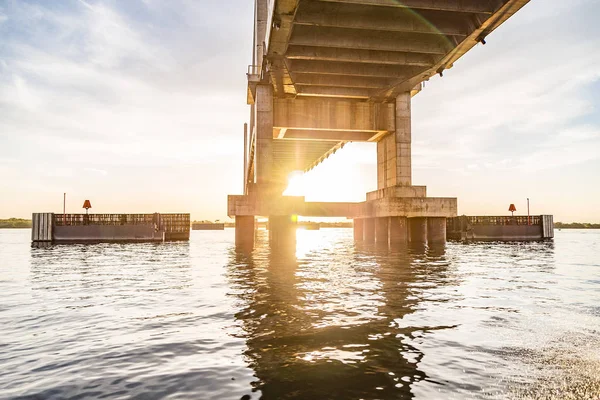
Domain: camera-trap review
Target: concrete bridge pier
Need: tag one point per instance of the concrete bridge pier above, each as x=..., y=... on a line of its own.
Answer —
x=282, y=231
x=358, y=229
x=245, y=230
x=381, y=230
x=369, y=230
x=398, y=230
x=436, y=230
x=417, y=230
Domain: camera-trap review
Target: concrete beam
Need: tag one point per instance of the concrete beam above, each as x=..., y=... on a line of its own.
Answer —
x=341, y=81
x=267, y=204
x=412, y=207
x=328, y=68
x=326, y=91
x=369, y=40
x=463, y=6
x=296, y=52
x=398, y=191
x=258, y=204
x=349, y=16
x=336, y=136
x=332, y=114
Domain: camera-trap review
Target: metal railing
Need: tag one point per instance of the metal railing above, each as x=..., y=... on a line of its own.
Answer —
x=168, y=222
x=505, y=220
x=103, y=219
x=176, y=222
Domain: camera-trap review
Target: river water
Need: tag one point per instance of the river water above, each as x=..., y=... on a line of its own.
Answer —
x=329, y=320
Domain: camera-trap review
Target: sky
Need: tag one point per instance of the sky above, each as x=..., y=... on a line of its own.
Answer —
x=139, y=106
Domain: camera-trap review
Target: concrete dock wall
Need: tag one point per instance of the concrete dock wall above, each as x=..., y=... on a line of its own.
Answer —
x=500, y=228
x=57, y=228
x=107, y=233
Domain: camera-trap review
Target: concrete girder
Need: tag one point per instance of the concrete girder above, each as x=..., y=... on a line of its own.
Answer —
x=333, y=114
x=298, y=155
x=335, y=15
x=340, y=81
x=328, y=91
x=463, y=6
x=296, y=52
x=258, y=204
x=369, y=40
x=354, y=69
x=336, y=136
x=280, y=76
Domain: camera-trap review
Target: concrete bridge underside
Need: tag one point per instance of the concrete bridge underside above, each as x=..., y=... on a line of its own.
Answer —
x=328, y=72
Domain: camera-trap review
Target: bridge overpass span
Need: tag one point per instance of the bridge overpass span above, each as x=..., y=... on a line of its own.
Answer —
x=328, y=72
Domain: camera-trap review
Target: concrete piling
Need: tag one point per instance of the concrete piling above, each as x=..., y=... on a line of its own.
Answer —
x=358, y=229
x=244, y=231
x=398, y=230
x=381, y=230
x=436, y=230
x=417, y=228
x=282, y=231
x=369, y=230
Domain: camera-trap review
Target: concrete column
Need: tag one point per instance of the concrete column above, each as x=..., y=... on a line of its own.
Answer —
x=436, y=230
x=260, y=30
x=264, y=133
x=398, y=230
x=417, y=229
x=369, y=230
x=282, y=231
x=381, y=230
x=358, y=229
x=394, y=149
x=244, y=231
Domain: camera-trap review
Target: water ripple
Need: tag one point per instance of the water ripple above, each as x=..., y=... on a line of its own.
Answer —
x=329, y=320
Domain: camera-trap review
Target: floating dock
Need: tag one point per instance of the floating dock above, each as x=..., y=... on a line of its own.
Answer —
x=202, y=226
x=500, y=228
x=97, y=228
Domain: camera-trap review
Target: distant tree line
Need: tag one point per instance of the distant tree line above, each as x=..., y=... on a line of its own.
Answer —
x=14, y=223
x=576, y=225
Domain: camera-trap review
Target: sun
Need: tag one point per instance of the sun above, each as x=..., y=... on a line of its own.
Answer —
x=344, y=177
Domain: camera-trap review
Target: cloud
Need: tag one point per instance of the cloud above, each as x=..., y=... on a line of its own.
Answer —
x=514, y=98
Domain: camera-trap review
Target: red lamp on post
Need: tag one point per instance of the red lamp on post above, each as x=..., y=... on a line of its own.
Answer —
x=512, y=209
x=87, y=205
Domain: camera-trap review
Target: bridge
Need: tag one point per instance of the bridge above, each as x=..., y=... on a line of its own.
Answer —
x=328, y=72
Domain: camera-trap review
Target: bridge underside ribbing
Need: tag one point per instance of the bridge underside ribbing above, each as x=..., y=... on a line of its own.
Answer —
x=328, y=72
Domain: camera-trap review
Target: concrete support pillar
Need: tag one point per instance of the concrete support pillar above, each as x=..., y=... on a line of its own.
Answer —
x=244, y=231
x=436, y=230
x=358, y=229
x=398, y=230
x=417, y=229
x=394, y=149
x=369, y=230
x=264, y=134
x=260, y=29
x=282, y=231
x=381, y=230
